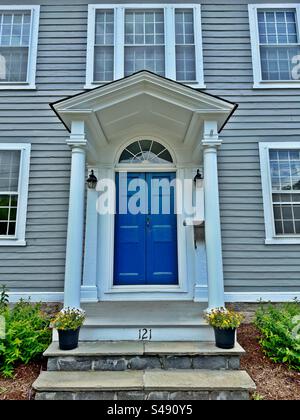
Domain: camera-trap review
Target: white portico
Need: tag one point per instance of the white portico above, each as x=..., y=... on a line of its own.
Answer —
x=104, y=122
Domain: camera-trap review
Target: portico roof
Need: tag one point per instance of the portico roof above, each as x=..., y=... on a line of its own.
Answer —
x=143, y=104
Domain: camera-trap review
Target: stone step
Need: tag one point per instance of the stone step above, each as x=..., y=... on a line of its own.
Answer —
x=139, y=355
x=144, y=385
x=172, y=321
x=97, y=331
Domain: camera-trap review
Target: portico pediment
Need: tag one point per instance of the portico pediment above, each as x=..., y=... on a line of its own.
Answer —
x=140, y=105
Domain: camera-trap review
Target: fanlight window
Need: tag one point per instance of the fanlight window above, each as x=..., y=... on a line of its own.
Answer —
x=146, y=152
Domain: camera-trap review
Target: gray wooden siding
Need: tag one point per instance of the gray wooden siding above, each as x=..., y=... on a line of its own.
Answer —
x=263, y=115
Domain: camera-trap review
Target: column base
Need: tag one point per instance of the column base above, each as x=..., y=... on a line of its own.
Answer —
x=89, y=294
x=200, y=293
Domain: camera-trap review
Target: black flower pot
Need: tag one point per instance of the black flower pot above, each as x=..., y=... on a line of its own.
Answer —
x=68, y=339
x=225, y=339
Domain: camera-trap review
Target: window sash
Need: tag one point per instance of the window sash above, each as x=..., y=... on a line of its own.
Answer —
x=16, y=45
x=185, y=45
x=18, y=199
x=284, y=163
x=169, y=44
x=8, y=214
x=271, y=53
x=270, y=68
x=22, y=54
x=10, y=173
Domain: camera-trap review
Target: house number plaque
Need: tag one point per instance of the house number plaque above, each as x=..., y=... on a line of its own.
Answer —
x=145, y=334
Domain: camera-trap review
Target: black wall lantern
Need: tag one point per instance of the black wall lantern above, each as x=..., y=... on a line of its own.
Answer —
x=198, y=176
x=92, y=180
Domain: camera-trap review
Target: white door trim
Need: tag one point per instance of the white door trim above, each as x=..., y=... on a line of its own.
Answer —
x=107, y=290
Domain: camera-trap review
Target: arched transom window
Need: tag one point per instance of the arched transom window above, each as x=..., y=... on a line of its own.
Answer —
x=146, y=152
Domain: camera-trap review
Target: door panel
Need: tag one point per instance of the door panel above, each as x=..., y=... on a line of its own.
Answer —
x=130, y=238
x=146, y=244
x=162, y=233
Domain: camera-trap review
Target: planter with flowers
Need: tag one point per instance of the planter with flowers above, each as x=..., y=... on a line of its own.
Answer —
x=225, y=323
x=68, y=323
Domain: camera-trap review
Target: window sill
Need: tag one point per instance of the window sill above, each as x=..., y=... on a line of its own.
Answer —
x=283, y=241
x=12, y=242
x=17, y=87
x=279, y=85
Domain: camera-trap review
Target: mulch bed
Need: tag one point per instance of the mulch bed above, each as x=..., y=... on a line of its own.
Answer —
x=273, y=381
x=20, y=387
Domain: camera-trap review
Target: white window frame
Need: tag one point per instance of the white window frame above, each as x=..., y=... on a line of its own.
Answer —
x=19, y=238
x=170, y=53
x=255, y=43
x=32, y=53
x=271, y=236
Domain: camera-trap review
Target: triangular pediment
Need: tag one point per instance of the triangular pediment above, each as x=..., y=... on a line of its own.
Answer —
x=144, y=102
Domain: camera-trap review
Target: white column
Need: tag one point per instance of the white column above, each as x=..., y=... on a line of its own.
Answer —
x=89, y=290
x=212, y=217
x=74, y=251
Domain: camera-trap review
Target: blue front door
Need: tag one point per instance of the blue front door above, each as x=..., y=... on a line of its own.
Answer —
x=145, y=242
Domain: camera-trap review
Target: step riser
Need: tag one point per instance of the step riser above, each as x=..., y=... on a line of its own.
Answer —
x=202, y=333
x=116, y=363
x=140, y=395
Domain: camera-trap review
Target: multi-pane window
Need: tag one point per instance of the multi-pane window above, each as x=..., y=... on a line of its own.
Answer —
x=185, y=45
x=14, y=45
x=165, y=40
x=279, y=43
x=275, y=36
x=9, y=190
x=104, y=46
x=144, y=41
x=18, y=45
x=285, y=179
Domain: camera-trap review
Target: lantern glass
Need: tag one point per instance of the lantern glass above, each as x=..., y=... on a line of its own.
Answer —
x=92, y=181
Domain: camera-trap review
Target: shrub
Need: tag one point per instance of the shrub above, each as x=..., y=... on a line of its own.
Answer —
x=224, y=319
x=280, y=339
x=27, y=335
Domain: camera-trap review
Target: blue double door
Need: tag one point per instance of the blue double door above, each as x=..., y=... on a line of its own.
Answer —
x=145, y=240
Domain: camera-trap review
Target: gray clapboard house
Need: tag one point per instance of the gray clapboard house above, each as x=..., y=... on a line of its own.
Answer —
x=154, y=91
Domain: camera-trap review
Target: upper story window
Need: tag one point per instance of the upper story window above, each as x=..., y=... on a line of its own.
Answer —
x=14, y=174
x=275, y=37
x=18, y=46
x=163, y=39
x=280, y=166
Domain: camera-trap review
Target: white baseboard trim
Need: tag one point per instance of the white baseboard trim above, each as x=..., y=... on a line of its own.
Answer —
x=255, y=297
x=201, y=296
x=36, y=296
x=86, y=296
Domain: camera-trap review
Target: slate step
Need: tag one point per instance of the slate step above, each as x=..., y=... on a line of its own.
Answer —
x=171, y=321
x=144, y=385
x=121, y=356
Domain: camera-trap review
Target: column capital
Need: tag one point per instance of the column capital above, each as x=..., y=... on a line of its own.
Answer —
x=77, y=136
x=77, y=145
x=211, y=135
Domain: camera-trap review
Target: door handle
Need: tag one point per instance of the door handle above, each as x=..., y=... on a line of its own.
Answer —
x=148, y=222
